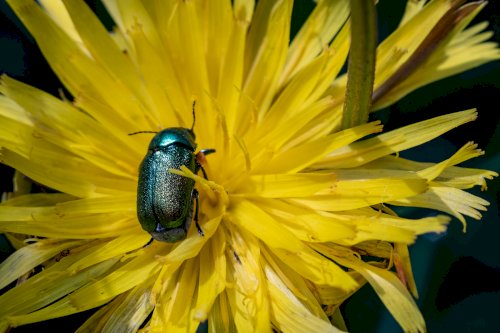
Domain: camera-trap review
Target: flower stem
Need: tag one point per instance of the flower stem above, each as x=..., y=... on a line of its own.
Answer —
x=361, y=70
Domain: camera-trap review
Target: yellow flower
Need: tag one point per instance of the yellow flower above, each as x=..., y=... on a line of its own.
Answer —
x=294, y=212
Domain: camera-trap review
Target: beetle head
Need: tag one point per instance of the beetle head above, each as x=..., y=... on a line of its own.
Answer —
x=174, y=135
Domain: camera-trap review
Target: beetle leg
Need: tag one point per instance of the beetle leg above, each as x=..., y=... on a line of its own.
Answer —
x=204, y=172
x=207, y=151
x=200, y=231
x=200, y=159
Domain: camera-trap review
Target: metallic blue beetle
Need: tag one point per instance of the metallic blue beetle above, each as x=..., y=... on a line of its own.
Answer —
x=165, y=200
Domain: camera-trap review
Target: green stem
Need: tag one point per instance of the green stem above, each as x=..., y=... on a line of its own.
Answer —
x=361, y=70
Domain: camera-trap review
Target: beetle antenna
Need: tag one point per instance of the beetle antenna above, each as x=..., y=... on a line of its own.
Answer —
x=140, y=132
x=194, y=115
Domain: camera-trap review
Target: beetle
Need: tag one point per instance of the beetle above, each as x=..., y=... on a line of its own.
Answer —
x=164, y=199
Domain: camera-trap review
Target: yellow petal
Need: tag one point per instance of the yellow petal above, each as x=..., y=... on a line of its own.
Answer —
x=99, y=43
x=4, y=325
x=316, y=268
x=131, y=312
x=81, y=75
x=307, y=224
x=43, y=221
x=133, y=273
x=117, y=247
x=340, y=49
x=247, y=289
x=231, y=78
x=397, y=140
x=379, y=231
x=179, y=301
x=337, y=320
x=14, y=135
x=114, y=11
x=17, y=241
x=412, y=8
x=212, y=276
x=59, y=170
x=297, y=285
x=60, y=116
x=457, y=177
x=191, y=49
x=249, y=216
x=161, y=296
x=449, y=200
x=37, y=200
x=416, y=227
x=266, y=48
x=378, y=226
x=333, y=296
x=465, y=178
x=294, y=94
x=119, y=203
x=60, y=15
x=345, y=194
x=408, y=37
x=400, y=45
x=191, y=246
x=11, y=110
x=392, y=293
x=306, y=86
x=60, y=308
x=290, y=132
x=304, y=155
x=320, y=126
x=131, y=13
x=402, y=263
x=96, y=322
x=30, y=256
x=48, y=286
x=463, y=154
x=243, y=9
x=217, y=24
x=290, y=314
x=460, y=51
x=287, y=247
x=169, y=98
x=321, y=26
x=287, y=185
x=220, y=318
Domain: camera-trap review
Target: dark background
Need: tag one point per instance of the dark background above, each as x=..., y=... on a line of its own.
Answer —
x=457, y=274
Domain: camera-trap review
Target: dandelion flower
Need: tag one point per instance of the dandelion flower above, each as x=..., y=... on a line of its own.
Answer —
x=295, y=211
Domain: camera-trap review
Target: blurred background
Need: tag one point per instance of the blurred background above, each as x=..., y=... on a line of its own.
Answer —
x=457, y=274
